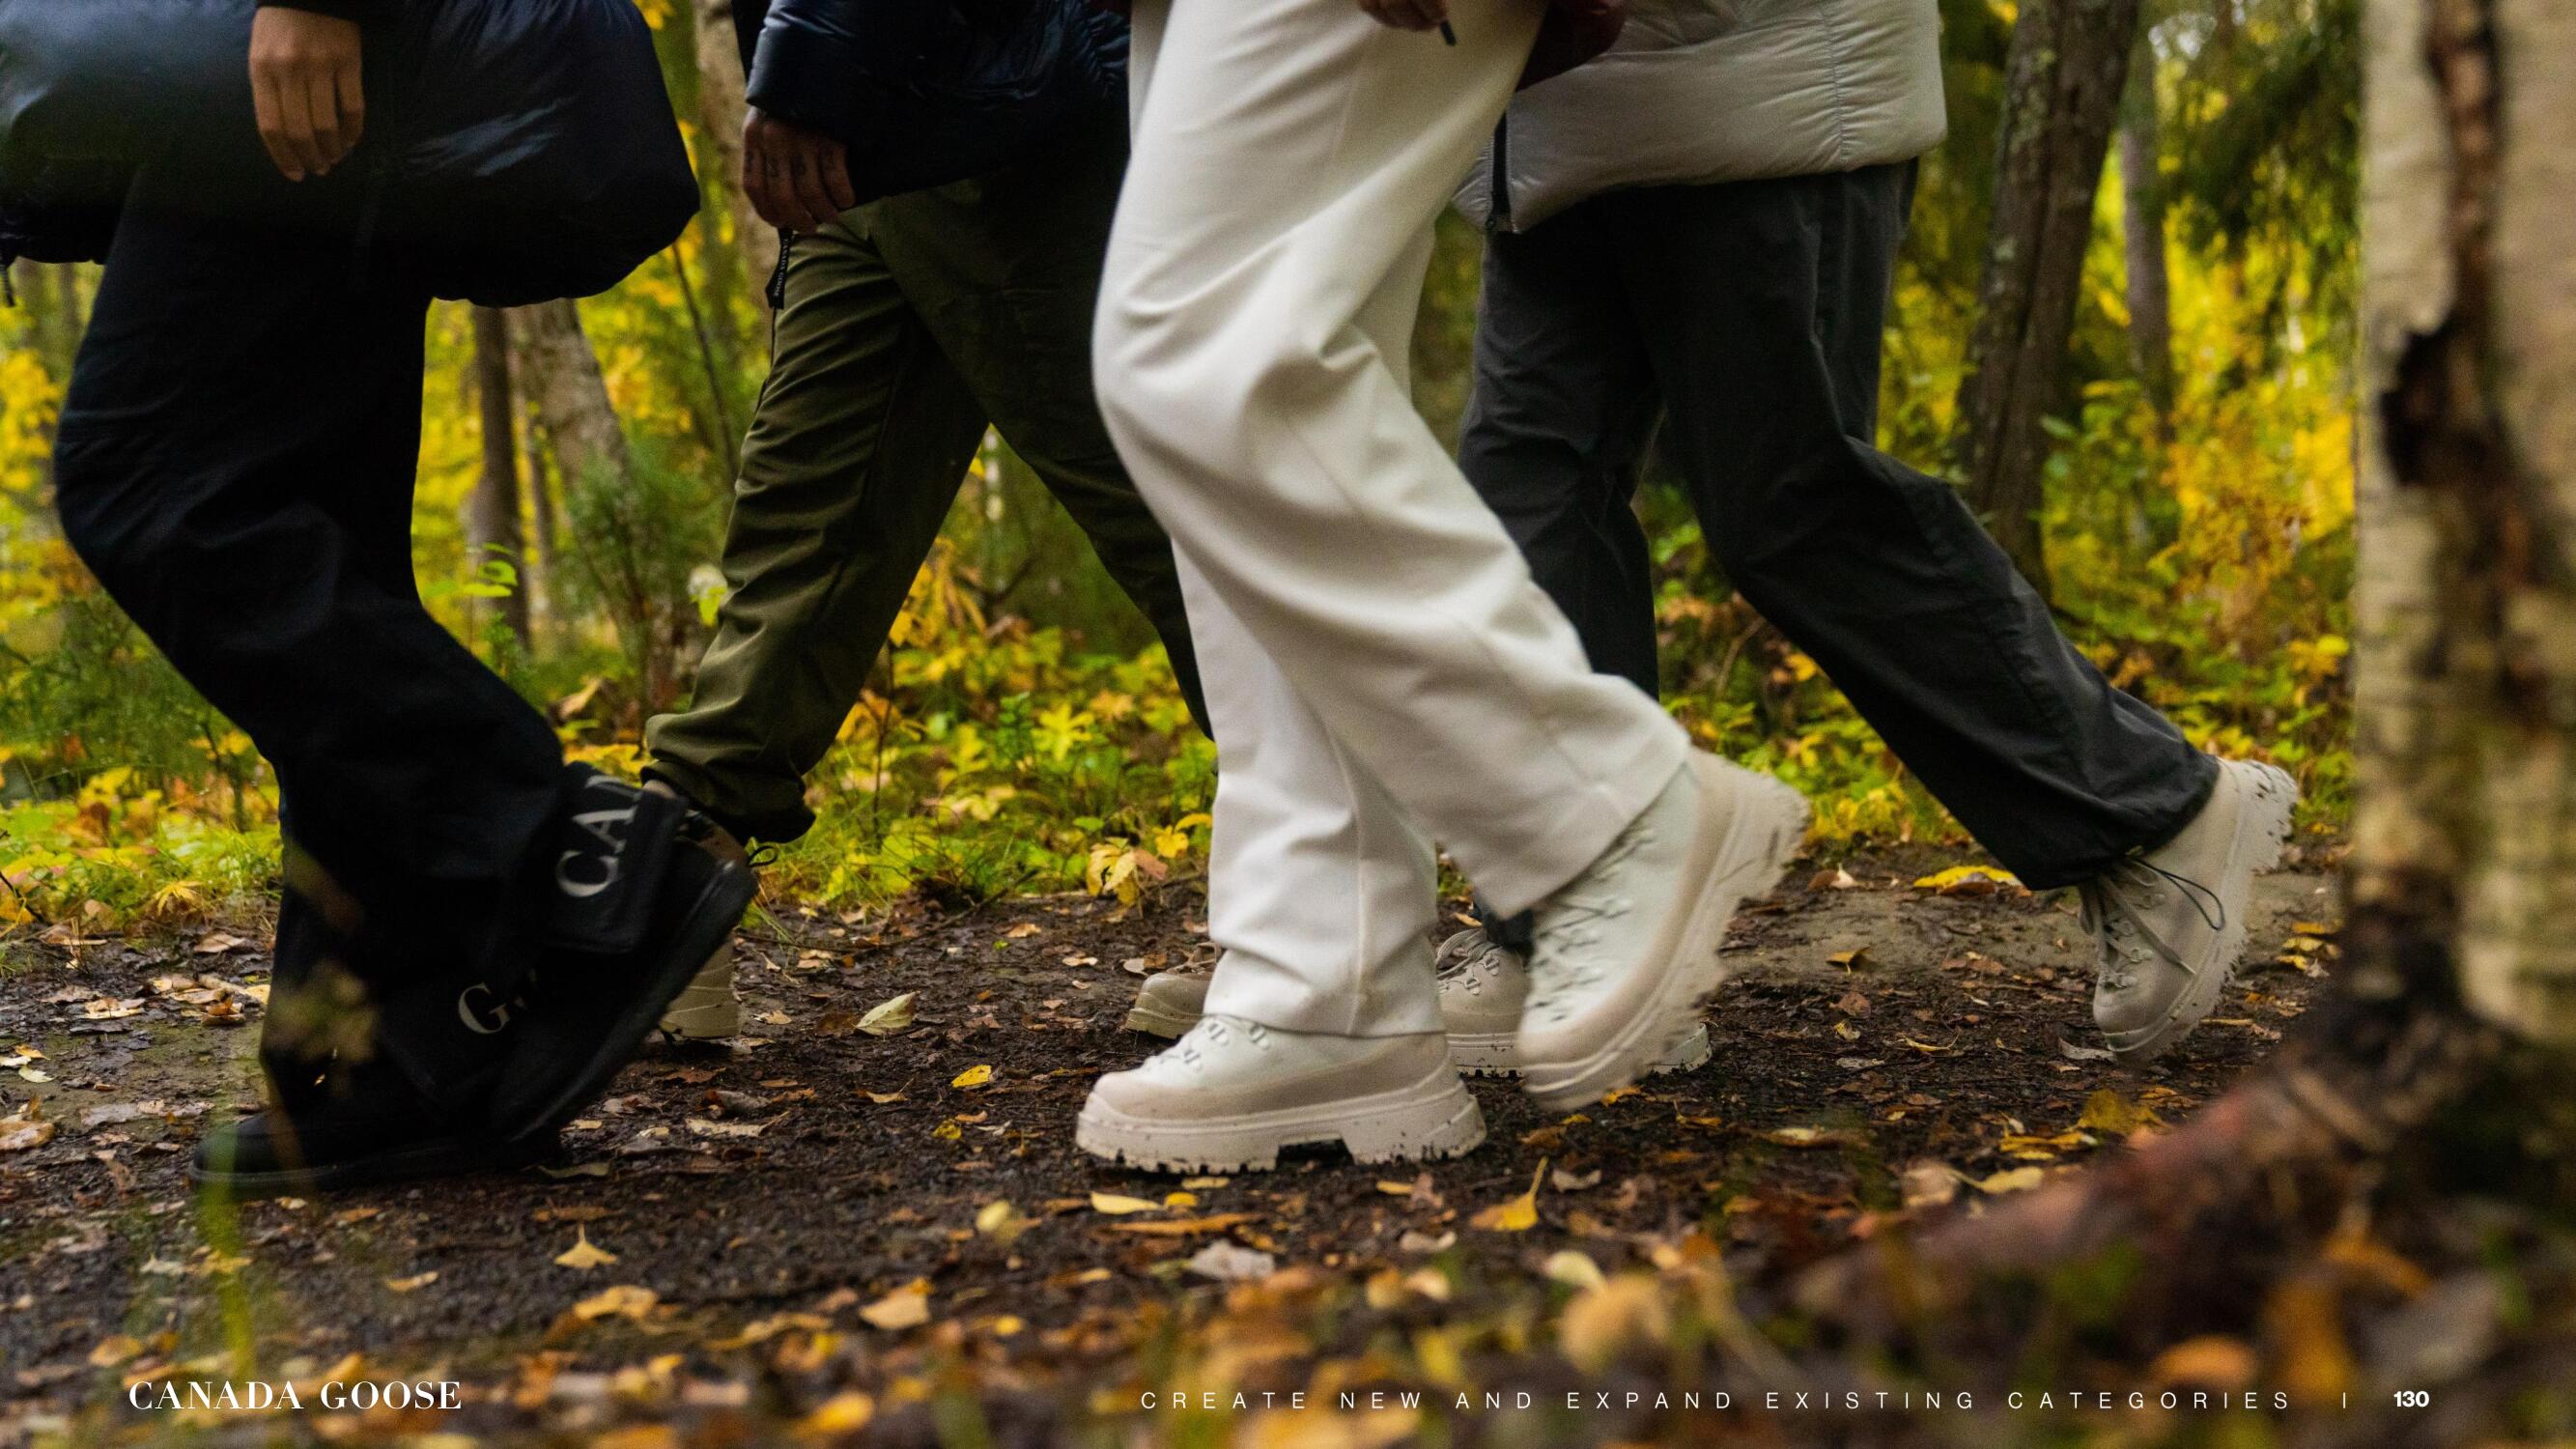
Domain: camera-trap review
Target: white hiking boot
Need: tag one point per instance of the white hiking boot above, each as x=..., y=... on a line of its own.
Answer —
x=1229, y=1095
x=1626, y=950
x=1483, y=986
x=1171, y=1002
x=706, y=1009
x=2169, y=925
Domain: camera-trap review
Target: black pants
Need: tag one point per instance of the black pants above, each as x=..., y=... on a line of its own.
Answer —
x=1748, y=318
x=235, y=463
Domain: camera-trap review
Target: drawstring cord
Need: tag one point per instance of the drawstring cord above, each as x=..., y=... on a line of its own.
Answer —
x=778, y=278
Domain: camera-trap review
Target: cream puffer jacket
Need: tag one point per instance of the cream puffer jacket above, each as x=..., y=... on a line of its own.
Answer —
x=1699, y=91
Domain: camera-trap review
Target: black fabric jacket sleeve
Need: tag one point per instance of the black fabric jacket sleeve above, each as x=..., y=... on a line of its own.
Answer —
x=748, y=17
x=816, y=60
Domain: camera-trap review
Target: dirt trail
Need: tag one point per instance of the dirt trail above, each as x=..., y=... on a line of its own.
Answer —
x=770, y=1196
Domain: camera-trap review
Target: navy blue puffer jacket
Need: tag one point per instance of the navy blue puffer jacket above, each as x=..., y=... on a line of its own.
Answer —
x=519, y=150
x=926, y=92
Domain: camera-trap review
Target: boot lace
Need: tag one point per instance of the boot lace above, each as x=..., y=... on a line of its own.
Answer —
x=2112, y=904
x=1564, y=964
x=1472, y=964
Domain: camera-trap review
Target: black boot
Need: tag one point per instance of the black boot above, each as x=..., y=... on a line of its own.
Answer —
x=356, y=1126
x=644, y=889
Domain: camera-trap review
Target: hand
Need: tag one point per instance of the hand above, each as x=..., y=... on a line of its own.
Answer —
x=304, y=86
x=1408, y=14
x=798, y=180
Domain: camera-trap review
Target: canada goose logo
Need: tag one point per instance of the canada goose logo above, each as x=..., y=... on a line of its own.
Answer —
x=485, y=1020
x=609, y=828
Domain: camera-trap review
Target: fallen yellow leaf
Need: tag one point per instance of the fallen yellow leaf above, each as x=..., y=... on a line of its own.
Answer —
x=974, y=1076
x=2012, y=1179
x=846, y=1412
x=1603, y=1321
x=583, y=1254
x=412, y=1283
x=626, y=1300
x=1968, y=880
x=1115, y=1205
x=17, y=1134
x=906, y=1307
x=2108, y=1111
x=1518, y=1215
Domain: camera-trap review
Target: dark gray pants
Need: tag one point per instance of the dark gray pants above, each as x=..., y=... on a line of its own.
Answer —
x=1747, y=317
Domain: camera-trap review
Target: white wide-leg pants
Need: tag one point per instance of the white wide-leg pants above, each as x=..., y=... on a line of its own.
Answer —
x=1380, y=668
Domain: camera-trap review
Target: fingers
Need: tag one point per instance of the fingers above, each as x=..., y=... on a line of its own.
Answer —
x=272, y=126
x=295, y=130
x=322, y=108
x=351, y=88
x=813, y=203
x=797, y=180
x=835, y=160
x=755, y=171
x=307, y=96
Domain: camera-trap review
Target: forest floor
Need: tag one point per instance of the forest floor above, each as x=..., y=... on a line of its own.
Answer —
x=806, y=1231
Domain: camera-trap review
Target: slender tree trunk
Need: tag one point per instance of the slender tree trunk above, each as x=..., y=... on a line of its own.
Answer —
x=612, y=543
x=544, y=507
x=570, y=394
x=720, y=114
x=2142, y=193
x=2063, y=78
x=492, y=513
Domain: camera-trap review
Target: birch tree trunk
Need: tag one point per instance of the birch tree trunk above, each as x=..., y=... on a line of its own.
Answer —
x=2464, y=835
x=2063, y=76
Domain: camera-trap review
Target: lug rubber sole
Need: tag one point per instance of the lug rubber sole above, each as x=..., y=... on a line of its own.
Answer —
x=1433, y=1118
x=1764, y=833
x=2262, y=830
x=1153, y=1021
x=1498, y=1054
x=438, y=1157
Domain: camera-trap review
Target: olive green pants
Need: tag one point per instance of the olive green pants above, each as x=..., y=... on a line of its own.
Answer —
x=910, y=325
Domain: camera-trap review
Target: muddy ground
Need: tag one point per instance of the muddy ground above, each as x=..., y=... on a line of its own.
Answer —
x=773, y=1201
